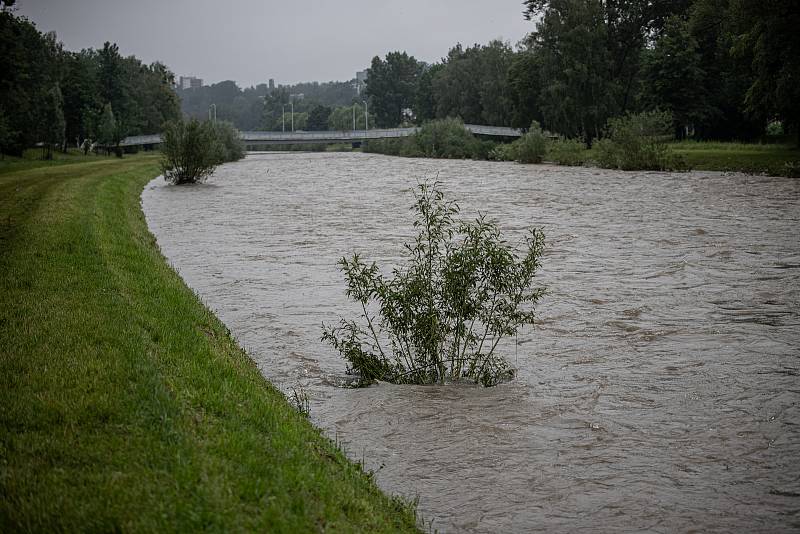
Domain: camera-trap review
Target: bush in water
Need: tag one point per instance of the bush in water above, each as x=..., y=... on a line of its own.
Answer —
x=442, y=315
x=638, y=141
x=192, y=150
x=567, y=152
x=531, y=147
x=228, y=144
x=446, y=138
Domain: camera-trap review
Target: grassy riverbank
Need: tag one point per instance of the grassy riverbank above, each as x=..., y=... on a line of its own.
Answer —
x=749, y=158
x=124, y=403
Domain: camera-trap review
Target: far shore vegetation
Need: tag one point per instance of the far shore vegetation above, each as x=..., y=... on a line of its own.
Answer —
x=126, y=404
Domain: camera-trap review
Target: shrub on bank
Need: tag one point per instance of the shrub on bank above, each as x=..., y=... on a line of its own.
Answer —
x=503, y=152
x=228, y=144
x=192, y=150
x=567, y=152
x=638, y=141
x=531, y=147
x=446, y=138
x=442, y=315
x=441, y=138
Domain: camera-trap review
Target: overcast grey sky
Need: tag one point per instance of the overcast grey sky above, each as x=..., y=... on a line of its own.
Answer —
x=250, y=41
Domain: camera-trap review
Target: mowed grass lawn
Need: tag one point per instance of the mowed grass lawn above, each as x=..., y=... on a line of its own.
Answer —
x=750, y=158
x=124, y=403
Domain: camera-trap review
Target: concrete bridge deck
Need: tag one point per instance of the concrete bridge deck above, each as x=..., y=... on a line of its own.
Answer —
x=348, y=136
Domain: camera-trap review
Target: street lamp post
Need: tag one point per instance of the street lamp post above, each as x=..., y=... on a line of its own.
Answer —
x=292, y=116
x=283, y=119
x=366, y=115
x=354, y=118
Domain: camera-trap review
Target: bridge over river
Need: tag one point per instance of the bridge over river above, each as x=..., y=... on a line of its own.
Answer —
x=349, y=136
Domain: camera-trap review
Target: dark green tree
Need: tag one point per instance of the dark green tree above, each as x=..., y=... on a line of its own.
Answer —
x=6, y=135
x=525, y=86
x=51, y=122
x=727, y=79
x=424, y=99
x=108, y=130
x=473, y=84
x=768, y=38
x=318, y=118
x=392, y=87
x=578, y=92
x=673, y=79
x=81, y=100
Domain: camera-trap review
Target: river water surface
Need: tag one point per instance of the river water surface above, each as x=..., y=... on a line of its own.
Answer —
x=658, y=392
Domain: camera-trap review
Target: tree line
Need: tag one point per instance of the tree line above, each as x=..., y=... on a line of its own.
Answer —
x=262, y=107
x=60, y=98
x=724, y=69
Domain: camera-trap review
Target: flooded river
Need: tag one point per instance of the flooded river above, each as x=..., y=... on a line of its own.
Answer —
x=658, y=392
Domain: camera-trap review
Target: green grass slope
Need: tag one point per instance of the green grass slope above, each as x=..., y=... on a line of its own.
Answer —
x=124, y=403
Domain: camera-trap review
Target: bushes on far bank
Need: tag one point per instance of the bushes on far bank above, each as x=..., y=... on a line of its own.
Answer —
x=531, y=147
x=572, y=152
x=443, y=138
x=193, y=149
x=638, y=141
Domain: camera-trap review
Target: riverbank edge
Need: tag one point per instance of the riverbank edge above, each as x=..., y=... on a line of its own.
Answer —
x=125, y=403
x=753, y=159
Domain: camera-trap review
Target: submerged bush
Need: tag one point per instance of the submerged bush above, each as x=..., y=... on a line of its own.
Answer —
x=792, y=169
x=441, y=138
x=390, y=147
x=228, y=143
x=567, y=152
x=446, y=138
x=638, y=141
x=192, y=150
x=503, y=152
x=531, y=147
x=442, y=315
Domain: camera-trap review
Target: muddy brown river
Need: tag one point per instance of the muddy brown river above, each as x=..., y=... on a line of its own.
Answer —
x=658, y=391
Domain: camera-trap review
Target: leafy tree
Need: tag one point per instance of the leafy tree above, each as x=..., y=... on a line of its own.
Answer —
x=673, y=79
x=443, y=314
x=341, y=118
x=578, y=92
x=525, y=87
x=107, y=130
x=769, y=37
x=424, y=98
x=228, y=144
x=391, y=87
x=30, y=67
x=51, y=120
x=274, y=106
x=473, y=84
x=191, y=150
x=456, y=88
x=81, y=100
x=711, y=24
x=111, y=77
x=318, y=118
x=6, y=135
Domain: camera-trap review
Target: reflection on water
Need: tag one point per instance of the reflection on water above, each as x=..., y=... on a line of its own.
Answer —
x=659, y=390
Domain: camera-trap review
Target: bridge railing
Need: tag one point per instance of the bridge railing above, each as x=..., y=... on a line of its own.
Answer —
x=330, y=136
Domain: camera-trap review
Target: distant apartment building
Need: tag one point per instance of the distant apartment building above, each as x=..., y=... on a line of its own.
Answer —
x=361, y=81
x=189, y=82
x=271, y=84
